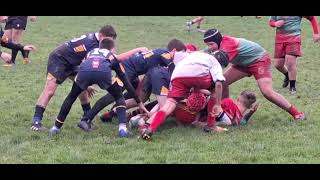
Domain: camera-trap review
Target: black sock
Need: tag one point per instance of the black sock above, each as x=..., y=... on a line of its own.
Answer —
x=38, y=114
x=25, y=54
x=121, y=114
x=85, y=108
x=58, y=124
x=286, y=75
x=14, y=53
x=292, y=83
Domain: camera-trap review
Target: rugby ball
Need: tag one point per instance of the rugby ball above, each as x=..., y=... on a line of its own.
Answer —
x=137, y=120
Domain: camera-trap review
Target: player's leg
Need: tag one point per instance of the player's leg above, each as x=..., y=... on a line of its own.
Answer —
x=291, y=62
x=263, y=75
x=293, y=50
x=232, y=74
x=42, y=102
x=280, y=62
x=65, y=109
x=56, y=74
x=265, y=85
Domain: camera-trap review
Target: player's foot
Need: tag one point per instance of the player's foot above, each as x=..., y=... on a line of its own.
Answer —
x=84, y=125
x=25, y=61
x=300, y=117
x=201, y=30
x=8, y=65
x=189, y=23
x=123, y=133
x=54, y=131
x=285, y=82
x=293, y=90
x=37, y=126
x=106, y=117
x=146, y=135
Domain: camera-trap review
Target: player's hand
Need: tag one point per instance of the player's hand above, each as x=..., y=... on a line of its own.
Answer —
x=143, y=49
x=143, y=108
x=33, y=18
x=29, y=48
x=279, y=23
x=91, y=91
x=254, y=108
x=216, y=111
x=316, y=38
x=6, y=57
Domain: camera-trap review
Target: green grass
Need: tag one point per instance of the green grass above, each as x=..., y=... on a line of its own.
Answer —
x=271, y=136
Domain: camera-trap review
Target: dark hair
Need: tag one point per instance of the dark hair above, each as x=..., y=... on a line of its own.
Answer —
x=108, y=31
x=213, y=35
x=107, y=43
x=249, y=98
x=176, y=44
x=222, y=57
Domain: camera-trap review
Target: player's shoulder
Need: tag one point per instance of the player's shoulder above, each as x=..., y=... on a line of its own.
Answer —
x=227, y=101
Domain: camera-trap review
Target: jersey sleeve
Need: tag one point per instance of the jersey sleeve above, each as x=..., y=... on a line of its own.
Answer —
x=216, y=71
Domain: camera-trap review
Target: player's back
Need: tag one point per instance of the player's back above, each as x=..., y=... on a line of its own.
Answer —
x=140, y=63
x=75, y=50
x=196, y=64
x=97, y=60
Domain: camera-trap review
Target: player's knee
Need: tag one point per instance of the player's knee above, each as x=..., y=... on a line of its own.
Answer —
x=267, y=92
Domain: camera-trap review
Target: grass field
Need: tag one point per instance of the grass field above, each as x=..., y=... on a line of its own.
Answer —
x=271, y=136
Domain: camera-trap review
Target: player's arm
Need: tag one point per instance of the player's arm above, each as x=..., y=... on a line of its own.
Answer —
x=218, y=78
x=116, y=66
x=274, y=23
x=10, y=45
x=248, y=115
x=314, y=23
x=127, y=55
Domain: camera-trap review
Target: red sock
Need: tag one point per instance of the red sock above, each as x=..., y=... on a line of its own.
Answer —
x=293, y=111
x=159, y=118
x=211, y=120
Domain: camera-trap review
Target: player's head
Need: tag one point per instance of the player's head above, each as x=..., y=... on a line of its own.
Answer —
x=107, y=31
x=222, y=57
x=191, y=48
x=177, y=50
x=196, y=101
x=247, y=98
x=212, y=38
x=107, y=43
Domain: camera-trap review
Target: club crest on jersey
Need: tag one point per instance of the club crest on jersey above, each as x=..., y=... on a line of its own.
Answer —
x=95, y=63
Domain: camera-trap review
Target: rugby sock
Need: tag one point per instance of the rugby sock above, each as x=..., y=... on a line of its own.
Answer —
x=38, y=113
x=85, y=108
x=293, y=111
x=25, y=54
x=123, y=126
x=211, y=119
x=121, y=114
x=159, y=118
x=292, y=83
x=286, y=75
x=14, y=53
x=58, y=123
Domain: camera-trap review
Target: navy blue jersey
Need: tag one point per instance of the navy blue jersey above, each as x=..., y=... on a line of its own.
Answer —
x=140, y=63
x=101, y=60
x=75, y=50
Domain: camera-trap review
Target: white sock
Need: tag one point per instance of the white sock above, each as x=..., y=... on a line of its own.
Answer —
x=123, y=126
